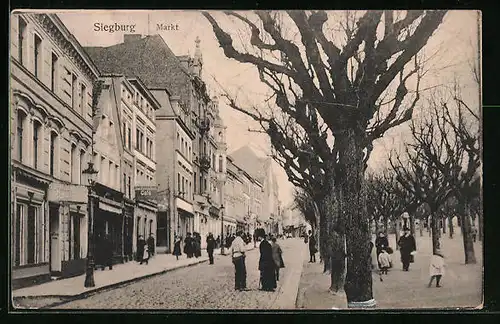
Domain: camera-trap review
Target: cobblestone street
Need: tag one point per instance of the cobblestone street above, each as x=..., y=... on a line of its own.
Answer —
x=203, y=286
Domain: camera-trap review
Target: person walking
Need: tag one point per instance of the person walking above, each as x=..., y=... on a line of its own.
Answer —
x=381, y=242
x=312, y=247
x=407, y=247
x=277, y=257
x=151, y=244
x=141, y=244
x=266, y=265
x=210, y=247
x=146, y=255
x=238, y=258
x=197, y=244
x=177, y=247
x=436, y=268
x=188, y=246
x=385, y=262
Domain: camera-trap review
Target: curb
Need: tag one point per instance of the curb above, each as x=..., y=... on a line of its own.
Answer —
x=67, y=299
x=287, y=298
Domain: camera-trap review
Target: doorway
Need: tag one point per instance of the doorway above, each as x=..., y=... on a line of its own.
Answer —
x=55, y=244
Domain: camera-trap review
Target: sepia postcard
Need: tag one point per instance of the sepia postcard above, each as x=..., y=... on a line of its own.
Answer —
x=248, y=160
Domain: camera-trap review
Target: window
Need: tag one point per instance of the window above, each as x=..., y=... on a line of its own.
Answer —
x=183, y=182
x=72, y=170
x=144, y=228
x=129, y=138
x=82, y=166
x=178, y=183
x=194, y=182
x=150, y=227
x=38, y=56
x=213, y=161
x=139, y=145
x=53, y=143
x=129, y=187
x=111, y=180
x=74, y=101
x=182, y=145
x=83, y=90
x=36, y=143
x=21, y=39
x=124, y=133
x=190, y=191
x=21, y=117
x=189, y=154
x=220, y=163
x=125, y=183
x=31, y=235
x=53, y=73
x=75, y=222
x=138, y=225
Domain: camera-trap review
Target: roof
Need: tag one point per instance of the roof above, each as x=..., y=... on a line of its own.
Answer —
x=247, y=160
x=150, y=59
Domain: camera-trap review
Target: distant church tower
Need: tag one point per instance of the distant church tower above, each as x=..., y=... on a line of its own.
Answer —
x=198, y=59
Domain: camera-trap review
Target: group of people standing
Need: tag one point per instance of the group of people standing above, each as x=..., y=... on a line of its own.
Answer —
x=192, y=246
x=270, y=261
x=145, y=249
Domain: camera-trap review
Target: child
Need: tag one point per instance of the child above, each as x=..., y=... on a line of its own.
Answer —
x=385, y=261
x=436, y=268
x=145, y=258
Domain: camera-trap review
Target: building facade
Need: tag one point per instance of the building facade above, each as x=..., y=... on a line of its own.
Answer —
x=261, y=169
x=52, y=81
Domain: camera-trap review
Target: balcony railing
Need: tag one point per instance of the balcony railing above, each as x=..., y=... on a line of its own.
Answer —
x=205, y=162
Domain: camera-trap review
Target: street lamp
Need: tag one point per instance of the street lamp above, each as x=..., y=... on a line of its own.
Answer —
x=90, y=174
x=222, y=229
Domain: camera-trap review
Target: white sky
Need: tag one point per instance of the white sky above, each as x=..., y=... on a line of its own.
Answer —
x=456, y=38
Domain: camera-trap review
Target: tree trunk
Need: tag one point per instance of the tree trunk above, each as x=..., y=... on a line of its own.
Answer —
x=397, y=232
x=435, y=232
x=480, y=222
x=386, y=226
x=451, y=230
x=323, y=236
x=470, y=256
x=358, y=285
x=443, y=224
x=421, y=228
x=412, y=225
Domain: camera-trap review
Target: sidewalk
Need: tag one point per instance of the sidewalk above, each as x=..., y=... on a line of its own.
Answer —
x=462, y=284
x=104, y=279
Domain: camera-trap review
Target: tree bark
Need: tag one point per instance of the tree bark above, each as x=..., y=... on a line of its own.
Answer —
x=470, y=256
x=412, y=225
x=358, y=285
x=435, y=231
x=397, y=231
x=323, y=236
x=386, y=226
x=443, y=224
x=451, y=231
x=480, y=223
x=421, y=228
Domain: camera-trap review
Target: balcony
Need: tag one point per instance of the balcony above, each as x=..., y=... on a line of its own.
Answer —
x=205, y=162
x=204, y=125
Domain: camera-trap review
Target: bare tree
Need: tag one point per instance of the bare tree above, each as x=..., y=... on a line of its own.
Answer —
x=311, y=82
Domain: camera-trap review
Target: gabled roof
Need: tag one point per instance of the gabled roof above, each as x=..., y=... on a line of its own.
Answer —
x=246, y=159
x=148, y=58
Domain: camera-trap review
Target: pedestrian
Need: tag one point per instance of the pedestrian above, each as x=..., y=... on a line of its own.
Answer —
x=177, y=247
x=146, y=255
x=188, y=245
x=217, y=241
x=407, y=247
x=238, y=258
x=312, y=247
x=436, y=268
x=385, y=262
x=381, y=242
x=197, y=244
x=266, y=265
x=474, y=233
x=151, y=244
x=277, y=257
x=210, y=247
x=141, y=245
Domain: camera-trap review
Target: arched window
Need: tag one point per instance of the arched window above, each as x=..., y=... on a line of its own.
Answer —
x=21, y=118
x=37, y=136
x=53, y=148
x=220, y=163
x=73, y=165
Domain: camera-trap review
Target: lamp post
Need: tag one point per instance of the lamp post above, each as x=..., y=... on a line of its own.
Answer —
x=90, y=173
x=222, y=229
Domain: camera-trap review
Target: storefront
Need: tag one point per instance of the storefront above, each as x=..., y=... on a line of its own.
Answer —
x=109, y=220
x=185, y=218
x=30, y=240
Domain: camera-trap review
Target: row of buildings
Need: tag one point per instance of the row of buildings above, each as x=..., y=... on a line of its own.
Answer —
x=145, y=118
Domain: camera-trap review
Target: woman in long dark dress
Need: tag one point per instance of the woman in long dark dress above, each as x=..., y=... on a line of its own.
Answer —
x=177, y=247
x=267, y=266
x=188, y=245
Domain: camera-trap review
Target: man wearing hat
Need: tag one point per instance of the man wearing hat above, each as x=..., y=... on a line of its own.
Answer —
x=407, y=246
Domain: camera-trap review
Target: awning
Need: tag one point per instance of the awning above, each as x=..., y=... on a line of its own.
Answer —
x=109, y=208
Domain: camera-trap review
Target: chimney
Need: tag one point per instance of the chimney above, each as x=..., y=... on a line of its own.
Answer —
x=128, y=38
